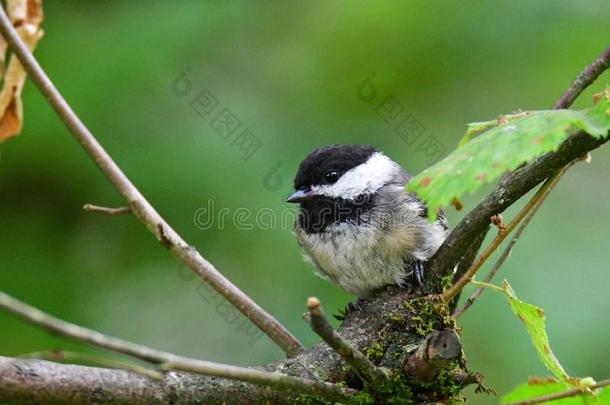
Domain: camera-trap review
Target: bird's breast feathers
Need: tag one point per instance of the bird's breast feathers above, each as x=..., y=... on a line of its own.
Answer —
x=359, y=258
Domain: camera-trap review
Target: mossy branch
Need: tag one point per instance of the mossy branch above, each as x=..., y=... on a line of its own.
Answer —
x=352, y=356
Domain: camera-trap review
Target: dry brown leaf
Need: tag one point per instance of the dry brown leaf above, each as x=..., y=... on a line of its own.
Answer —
x=25, y=11
x=26, y=16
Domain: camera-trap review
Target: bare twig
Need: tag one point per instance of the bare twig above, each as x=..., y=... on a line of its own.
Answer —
x=169, y=361
x=502, y=234
x=62, y=356
x=466, y=262
x=352, y=356
x=107, y=211
x=584, y=79
x=578, y=85
x=521, y=180
x=139, y=206
x=65, y=383
x=562, y=394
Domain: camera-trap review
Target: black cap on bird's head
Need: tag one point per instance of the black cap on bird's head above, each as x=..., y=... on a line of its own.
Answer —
x=322, y=172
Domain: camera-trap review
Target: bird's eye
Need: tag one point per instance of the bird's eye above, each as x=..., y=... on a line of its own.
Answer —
x=331, y=176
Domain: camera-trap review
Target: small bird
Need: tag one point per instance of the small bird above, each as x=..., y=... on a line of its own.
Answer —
x=359, y=227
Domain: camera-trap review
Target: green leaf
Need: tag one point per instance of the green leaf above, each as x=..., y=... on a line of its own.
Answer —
x=504, y=145
x=533, y=318
x=534, y=388
x=476, y=128
x=538, y=387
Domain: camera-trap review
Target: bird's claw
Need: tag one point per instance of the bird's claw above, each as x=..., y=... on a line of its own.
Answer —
x=418, y=274
x=354, y=306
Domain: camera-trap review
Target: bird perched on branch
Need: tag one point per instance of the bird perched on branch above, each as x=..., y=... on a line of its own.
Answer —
x=360, y=228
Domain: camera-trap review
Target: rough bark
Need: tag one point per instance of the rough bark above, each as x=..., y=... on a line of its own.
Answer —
x=385, y=329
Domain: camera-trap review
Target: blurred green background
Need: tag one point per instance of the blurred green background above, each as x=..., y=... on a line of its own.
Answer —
x=290, y=73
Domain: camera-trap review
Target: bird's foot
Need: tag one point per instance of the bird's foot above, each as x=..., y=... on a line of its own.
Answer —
x=354, y=306
x=418, y=274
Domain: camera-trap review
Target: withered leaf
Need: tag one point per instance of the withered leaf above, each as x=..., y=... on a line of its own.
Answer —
x=26, y=16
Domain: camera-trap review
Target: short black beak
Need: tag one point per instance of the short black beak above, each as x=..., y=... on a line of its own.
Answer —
x=300, y=196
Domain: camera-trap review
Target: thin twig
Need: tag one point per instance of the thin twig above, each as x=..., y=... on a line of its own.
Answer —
x=170, y=361
x=62, y=356
x=473, y=297
x=140, y=207
x=578, y=85
x=106, y=210
x=502, y=234
x=369, y=372
x=521, y=180
x=584, y=79
x=465, y=263
x=563, y=394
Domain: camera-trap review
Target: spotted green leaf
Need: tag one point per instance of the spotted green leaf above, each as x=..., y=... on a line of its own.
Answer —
x=533, y=318
x=476, y=128
x=504, y=145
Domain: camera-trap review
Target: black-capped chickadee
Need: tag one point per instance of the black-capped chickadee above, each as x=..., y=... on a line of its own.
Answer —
x=360, y=228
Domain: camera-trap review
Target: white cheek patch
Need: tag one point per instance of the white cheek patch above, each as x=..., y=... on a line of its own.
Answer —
x=362, y=179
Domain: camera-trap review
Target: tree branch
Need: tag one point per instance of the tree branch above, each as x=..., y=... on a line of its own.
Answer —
x=62, y=356
x=520, y=182
x=352, y=356
x=506, y=193
x=503, y=232
x=384, y=323
x=139, y=206
x=42, y=382
x=466, y=262
x=584, y=79
x=473, y=297
x=169, y=361
x=435, y=352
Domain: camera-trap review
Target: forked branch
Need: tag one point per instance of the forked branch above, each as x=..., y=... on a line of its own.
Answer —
x=170, y=361
x=503, y=232
x=584, y=79
x=521, y=181
x=139, y=206
x=492, y=272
